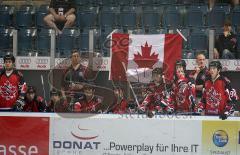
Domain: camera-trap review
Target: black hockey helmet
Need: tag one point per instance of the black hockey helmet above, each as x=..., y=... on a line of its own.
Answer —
x=181, y=63
x=157, y=70
x=31, y=89
x=54, y=92
x=9, y=56
x=216, y=64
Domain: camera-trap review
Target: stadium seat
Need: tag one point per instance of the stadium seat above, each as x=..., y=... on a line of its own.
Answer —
x=67, y=41
x=235, y=16
x=25, y=41
x=25, y=16
x=128, y=17
x=108, y=16
x=126, y=2
x=144, y=2
x=217, y=15
x=108, y=2
x=172, y=17
x=104, y=41
x=43, y=41
x=5, y=39
x=86, y=17
x=5, y=18
x=198, y=40
x=195, y=15
x=164, y=2
x=40, y=14
x=156, y=30
x=151, y=16
x=85, y=2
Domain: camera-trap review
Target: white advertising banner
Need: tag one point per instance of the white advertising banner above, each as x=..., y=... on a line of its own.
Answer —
x=33, y=63
x=98, y=136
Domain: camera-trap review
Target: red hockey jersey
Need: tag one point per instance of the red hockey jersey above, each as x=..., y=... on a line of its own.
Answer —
x=217, y=96
x=87, y=106
x=10, y=88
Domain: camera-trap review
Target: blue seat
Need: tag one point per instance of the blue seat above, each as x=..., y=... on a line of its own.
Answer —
x=83, y=40
x=165, y=1
x=195, y=15
x=85, y=2
x=144, y=2
x=26, y=42
x=126, y=2
x=40, y=14
x=104, y=41
x=86, y=18
x=5, y=39
x=235, y=16
x=198, y=40
x=217, y=15
x=25, y=16
x=172, y=17
x=67, y=41
x=108, y=2
x=128, y=17
x=5, y=19
x=43, y=42
x=108, y=16
x=156, y=30
x=151, y=16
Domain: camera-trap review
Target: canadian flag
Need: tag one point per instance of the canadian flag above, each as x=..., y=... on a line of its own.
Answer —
x=133, y=57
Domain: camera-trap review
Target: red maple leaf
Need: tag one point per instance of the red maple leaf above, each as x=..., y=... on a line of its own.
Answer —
x=146, y=60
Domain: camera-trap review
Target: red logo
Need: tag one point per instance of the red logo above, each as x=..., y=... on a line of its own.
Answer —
x=24, y=135
x=81, y=137
x=8, y=91
x=146, y=60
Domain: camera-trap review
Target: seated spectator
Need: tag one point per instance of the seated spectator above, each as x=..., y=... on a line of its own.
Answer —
x=61, y=12
x=226, y=44
x=58, y=103
x=33, y=103
x=212, y=2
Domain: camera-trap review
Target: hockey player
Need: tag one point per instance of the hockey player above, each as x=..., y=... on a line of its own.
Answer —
x=120, y=104
x=33, y=103
x=12, y=86
x=183, y=89
x=88, y=103
x=218, y=97
x=58, y=103
x=158, y=96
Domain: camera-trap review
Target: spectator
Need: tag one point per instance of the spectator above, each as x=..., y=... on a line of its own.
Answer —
x=74, y=78
x=212, y=2
x=218, y=97
x=226, y=44
x=58, y=103
x=62, y=12
x=12, y=86
x=89, y=103
x=199, y=74
x=33, y=103
x=183, y=89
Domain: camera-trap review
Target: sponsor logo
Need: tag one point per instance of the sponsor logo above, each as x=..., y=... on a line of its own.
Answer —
x=236, y=63
x=220, y=138
x=24, y=62
x=237, y=68
x=21, y=149
x=41, y=61
x=88, y=142
x=225, y=62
